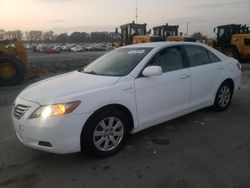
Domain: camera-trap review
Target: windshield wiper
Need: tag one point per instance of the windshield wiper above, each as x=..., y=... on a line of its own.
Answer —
x=90, y=72
x=87, y=72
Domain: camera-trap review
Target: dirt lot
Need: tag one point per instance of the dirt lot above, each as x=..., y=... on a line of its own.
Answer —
x=62, y=62
x=43, y=58
x=205, y=149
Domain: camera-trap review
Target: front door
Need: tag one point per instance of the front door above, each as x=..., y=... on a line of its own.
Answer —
x=166, y=94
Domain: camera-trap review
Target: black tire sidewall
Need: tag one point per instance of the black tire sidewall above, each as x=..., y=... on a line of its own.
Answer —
x=20, y=70
x=87, y=143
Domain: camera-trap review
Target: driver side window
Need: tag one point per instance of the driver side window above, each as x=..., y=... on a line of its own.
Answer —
x=169, y=59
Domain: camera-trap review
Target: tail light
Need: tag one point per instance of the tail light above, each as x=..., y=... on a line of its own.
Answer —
x=239, y=66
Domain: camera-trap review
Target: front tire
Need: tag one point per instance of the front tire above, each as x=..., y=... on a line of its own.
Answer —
x=223, y=97
x=105, y=134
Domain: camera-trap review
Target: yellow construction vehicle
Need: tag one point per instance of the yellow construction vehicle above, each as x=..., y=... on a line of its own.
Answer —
x=166, y=31
x=133, y=33
x=12, y=64
x=130, y=30
x=233, y=40
x=170, y=33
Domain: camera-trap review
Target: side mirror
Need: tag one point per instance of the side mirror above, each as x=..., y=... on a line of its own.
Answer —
x=152, y=71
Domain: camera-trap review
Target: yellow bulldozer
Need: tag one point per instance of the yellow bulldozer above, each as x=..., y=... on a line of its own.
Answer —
x=133, y=33
x=130, y=31
x=170, y=33
x=13, y=61
x=233, y=40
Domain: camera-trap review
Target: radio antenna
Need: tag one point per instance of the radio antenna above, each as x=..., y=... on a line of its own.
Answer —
x=136, y=11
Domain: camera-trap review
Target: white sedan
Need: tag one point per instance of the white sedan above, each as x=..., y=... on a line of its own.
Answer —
x=125, y=91
x=76, y=49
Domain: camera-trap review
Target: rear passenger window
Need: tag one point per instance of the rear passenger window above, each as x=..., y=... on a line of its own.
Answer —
x=197, y=55
x=213, y=58
x=169, y=59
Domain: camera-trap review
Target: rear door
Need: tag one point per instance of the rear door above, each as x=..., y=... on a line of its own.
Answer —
x=166, y=94
x=206, y=72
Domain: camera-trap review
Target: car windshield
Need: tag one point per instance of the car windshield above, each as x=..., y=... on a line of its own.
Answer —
x=119, y=62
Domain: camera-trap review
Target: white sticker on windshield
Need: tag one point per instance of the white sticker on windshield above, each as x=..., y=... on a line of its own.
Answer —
x=136, y=51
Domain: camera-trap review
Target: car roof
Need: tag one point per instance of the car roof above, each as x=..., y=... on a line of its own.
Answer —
x=159, y=44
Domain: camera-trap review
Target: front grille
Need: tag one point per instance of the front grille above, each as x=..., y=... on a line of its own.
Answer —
x=19, y=110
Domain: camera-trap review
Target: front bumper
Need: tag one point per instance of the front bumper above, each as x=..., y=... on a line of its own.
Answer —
x=60, y=134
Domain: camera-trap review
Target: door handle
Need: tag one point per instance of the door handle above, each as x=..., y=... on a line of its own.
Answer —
x=184, y=76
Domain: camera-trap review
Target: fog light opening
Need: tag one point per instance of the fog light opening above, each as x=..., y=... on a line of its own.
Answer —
x=43, y=143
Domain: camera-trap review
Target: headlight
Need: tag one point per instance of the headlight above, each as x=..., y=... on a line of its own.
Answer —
x=55, y=110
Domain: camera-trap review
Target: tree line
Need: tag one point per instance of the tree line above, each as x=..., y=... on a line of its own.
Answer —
x=52, y=37
x=75, y=37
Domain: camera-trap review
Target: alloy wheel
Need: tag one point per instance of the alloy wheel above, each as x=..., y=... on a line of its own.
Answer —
x=224, y=96
x=108, y=134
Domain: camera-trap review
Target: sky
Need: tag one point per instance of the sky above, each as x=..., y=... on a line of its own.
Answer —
x=105, y=15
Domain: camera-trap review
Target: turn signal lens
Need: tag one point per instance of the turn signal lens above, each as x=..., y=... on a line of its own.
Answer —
x=59, y=110
x=55, y=110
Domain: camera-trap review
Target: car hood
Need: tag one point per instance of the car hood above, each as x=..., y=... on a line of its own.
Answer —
x=62, y=87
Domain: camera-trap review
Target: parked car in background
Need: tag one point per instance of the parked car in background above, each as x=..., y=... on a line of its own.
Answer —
x=50, y=50
x=96, y=48
x=76, y=49
x=125, y=91
x=65, y=48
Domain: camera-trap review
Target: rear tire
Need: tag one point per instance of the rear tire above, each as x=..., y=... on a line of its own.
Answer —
x=223, y=97
x=12, y=63
x=105, y=133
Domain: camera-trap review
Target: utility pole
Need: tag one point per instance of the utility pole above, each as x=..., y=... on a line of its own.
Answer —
x=187, y=27
x=136, y=11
